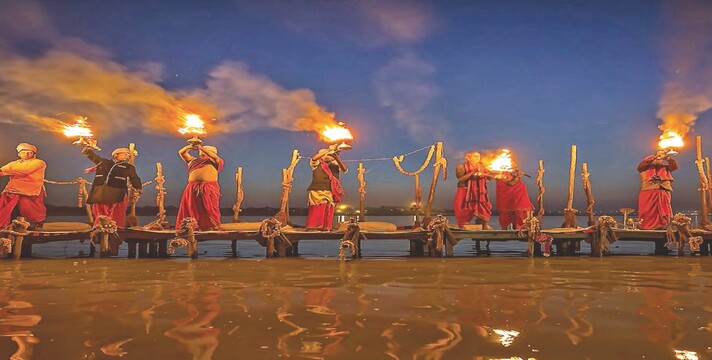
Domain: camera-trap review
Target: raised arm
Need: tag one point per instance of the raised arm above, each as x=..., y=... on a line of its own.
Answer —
x=342, y=166
x=645, y=163
x=672, y=165
x=322, y=152
x=185, y=155
x=89, y=153
x=211, y=154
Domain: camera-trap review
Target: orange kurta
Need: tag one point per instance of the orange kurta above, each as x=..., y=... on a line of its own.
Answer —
x=26, y=176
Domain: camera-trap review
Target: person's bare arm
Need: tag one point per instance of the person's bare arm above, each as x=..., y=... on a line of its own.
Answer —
x=342, y=167
x=211, y=154
x=322, y=152
x=184, y=153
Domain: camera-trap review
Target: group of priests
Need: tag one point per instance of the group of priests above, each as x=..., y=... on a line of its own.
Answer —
x=201, y=198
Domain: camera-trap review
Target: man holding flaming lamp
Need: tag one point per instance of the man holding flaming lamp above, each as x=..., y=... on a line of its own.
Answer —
x=26, y=187
x=109, y=190
x=471, y=198
x=512, y=199
x=654, y=199
x=325, y=190
x=201, y=197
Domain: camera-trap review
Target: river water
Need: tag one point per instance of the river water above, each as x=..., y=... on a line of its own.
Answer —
x=385, y=306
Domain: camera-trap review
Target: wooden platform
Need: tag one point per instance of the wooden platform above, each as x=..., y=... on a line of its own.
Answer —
x=150, y=243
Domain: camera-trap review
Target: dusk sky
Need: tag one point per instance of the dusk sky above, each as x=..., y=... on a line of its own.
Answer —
x=533, y=76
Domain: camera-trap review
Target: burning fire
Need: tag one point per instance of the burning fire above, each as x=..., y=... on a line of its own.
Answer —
x=670, y=139
x=503, y=162
x=79, y=129
x=336, y=133
x=193, y=125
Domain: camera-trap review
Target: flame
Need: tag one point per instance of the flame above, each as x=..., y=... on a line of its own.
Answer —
x=193, y=125
x=503, y=162
x=670, y=139
x=79, y=129
x=336, y=133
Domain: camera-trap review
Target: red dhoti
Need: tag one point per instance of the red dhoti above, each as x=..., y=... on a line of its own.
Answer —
x=465, y=210
x=321, y=210
x=116, y=211
x=201, y=201
x=31, y=207
x=654, y=209
x=512, y=204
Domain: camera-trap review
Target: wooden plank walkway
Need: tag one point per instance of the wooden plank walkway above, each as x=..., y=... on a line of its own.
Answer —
x=146, y=243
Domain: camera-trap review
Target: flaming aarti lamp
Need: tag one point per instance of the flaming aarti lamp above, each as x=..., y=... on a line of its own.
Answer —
x=82, y=132
x=339, y=135
x=670, y=141
x=195, y=126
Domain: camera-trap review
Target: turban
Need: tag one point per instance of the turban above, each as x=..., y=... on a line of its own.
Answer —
x=119, y=151
x=26, y=146
x=211, y=148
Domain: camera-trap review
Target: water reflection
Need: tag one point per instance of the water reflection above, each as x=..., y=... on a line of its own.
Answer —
x=398, y=309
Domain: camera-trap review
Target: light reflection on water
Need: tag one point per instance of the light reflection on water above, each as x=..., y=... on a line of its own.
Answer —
x=461, y=308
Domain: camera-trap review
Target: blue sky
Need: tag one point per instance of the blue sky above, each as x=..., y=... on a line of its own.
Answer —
x=532, y=76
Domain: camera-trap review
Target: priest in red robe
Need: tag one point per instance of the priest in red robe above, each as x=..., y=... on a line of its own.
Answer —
x=471, y=198
x=654, y=208
x=201, y=197
x=513, y=202
x=325, y=190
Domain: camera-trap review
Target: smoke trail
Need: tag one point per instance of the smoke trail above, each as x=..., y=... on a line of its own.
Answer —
x=688, y=89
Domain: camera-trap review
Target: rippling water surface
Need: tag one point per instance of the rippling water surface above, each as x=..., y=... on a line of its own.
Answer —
x=457, y=308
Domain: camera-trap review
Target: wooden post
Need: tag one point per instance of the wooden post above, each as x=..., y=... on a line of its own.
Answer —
x=589, y=194
x=542, y=189
x=240, y=196
x=104, y=247
x=131, y=248
x=161, y=195
x=434, y=183
x=287, y=180
x=704, y=185
x=192, y=243
x=572, y=178
x=709, y=182
x=570, y=212
x=362, y=193
x=132, y=219
x=418, y=200
x=18, y=239
x=83, y=197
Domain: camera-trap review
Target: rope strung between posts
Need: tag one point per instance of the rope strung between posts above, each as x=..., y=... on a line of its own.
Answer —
x=80, y=180
x=390, y=158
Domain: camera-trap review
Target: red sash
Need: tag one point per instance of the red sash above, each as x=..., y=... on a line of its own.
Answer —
x=336, y=190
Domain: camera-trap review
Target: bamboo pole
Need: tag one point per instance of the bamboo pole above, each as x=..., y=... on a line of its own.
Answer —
x=132, y=219
x=287, y=180
x=161, y=195
x=572, y=178
x=589, y=194
x=704, y=185
x=570, y=212
x=239, y=197
x=542, y=189
x=709, y=181
x=362, y=192
x=418, y=201
x=439, y=161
